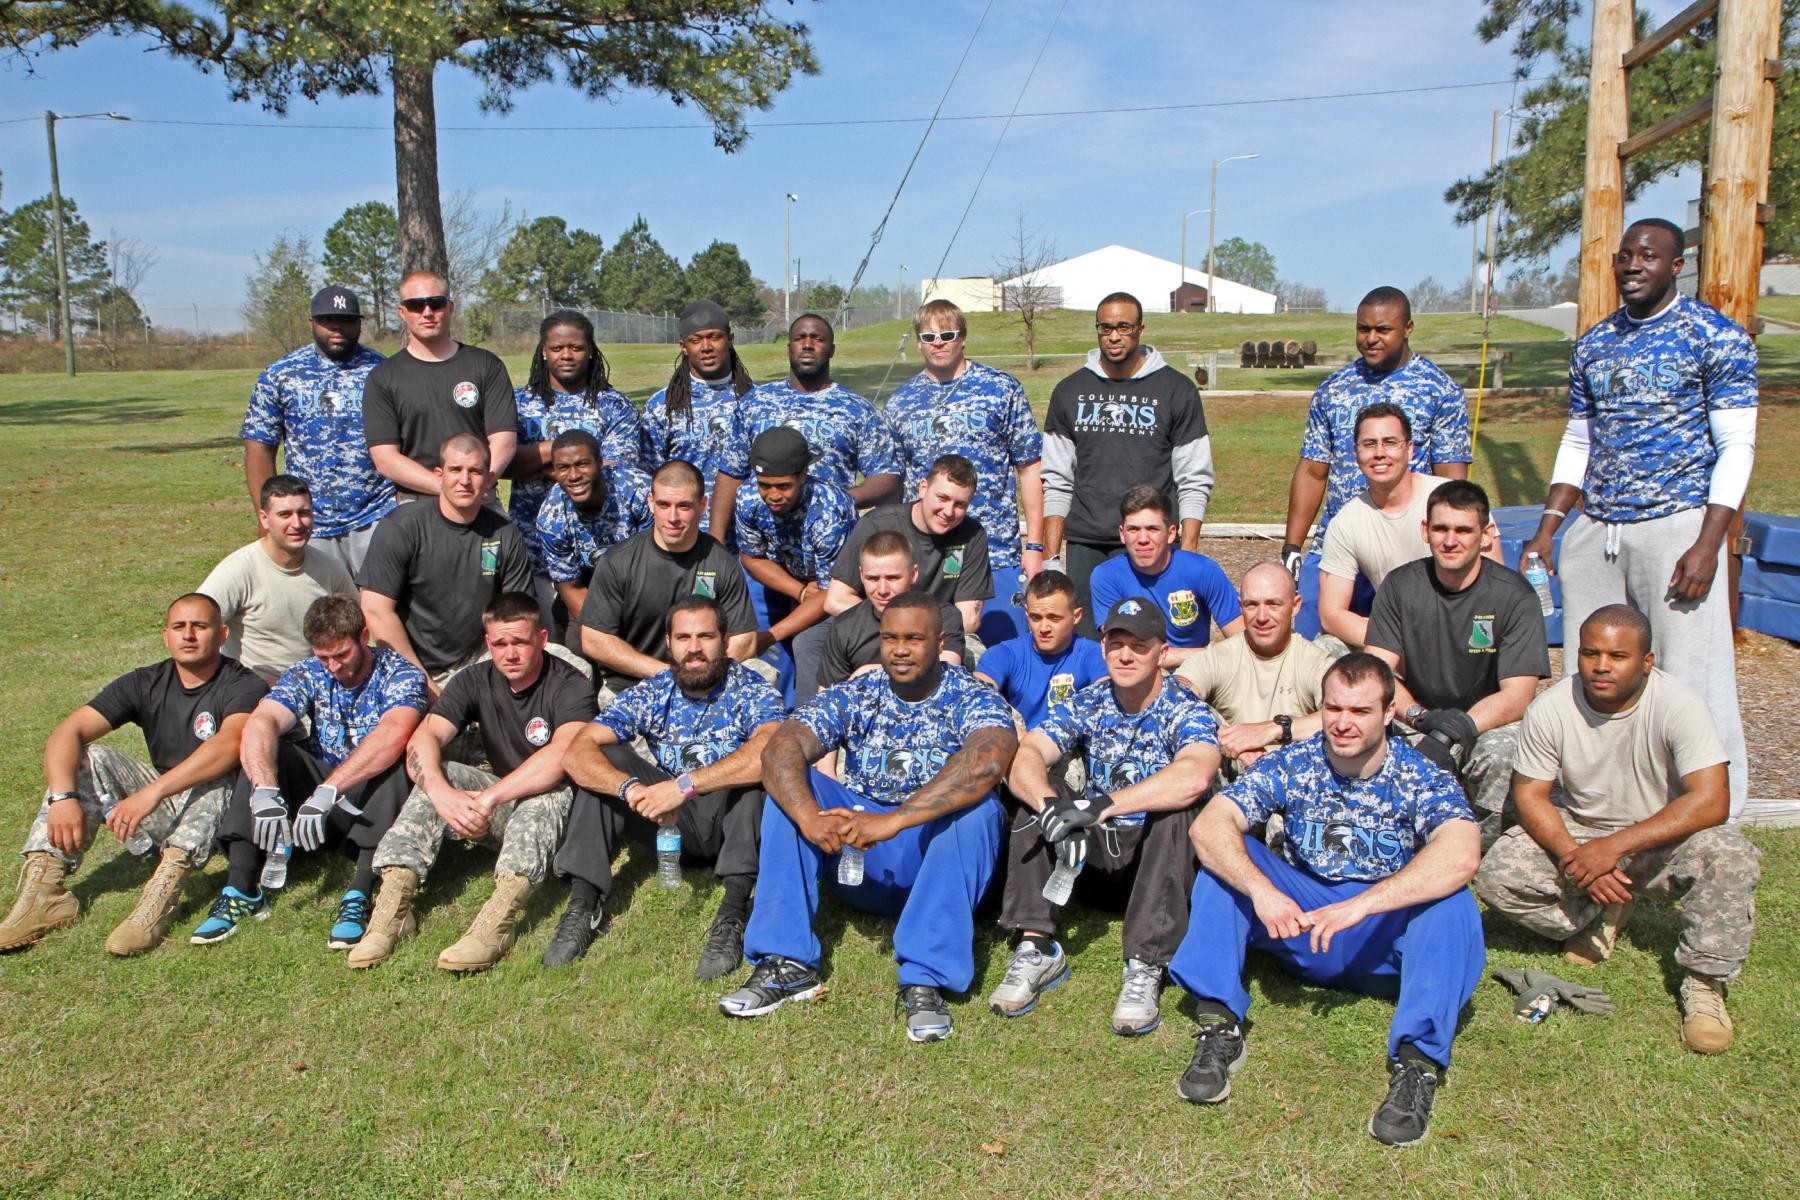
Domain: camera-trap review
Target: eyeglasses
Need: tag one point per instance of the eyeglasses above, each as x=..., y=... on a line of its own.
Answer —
x=419, y=304
x=1121, y=327
x=948, y=335
x=1386, y=443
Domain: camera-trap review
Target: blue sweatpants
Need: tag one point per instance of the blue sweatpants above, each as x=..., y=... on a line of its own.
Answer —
x=931, y=876
x=1306, y=624
x=1430, y=956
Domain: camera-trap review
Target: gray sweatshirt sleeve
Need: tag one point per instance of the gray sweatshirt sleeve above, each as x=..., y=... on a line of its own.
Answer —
x=1192, y=463
x=1059, y=475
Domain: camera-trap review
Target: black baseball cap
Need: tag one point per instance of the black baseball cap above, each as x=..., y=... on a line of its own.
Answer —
x=704, y=314
x=780, y=450
x=1138, y=616
x=335, y=301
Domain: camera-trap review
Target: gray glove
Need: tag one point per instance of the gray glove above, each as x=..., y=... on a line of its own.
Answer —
x=1537, y=987
x=269, y=819
x=309, y=822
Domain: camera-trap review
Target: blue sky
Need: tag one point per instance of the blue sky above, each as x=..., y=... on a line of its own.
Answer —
x=1347, y=193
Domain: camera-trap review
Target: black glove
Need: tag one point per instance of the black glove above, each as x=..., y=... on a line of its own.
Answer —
x=1061, y=817
x=1454, y=727
x=1291, y=558
x=1534, y=987
x=1438, y=751
x=1071, y=852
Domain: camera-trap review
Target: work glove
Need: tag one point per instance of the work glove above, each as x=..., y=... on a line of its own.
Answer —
x=1437, y=749
x=1061, y=817
x=309, y=823
x=1540, y=992
x=1452, y=726
x=1291, y=558
x=1071, y=852
x=269, y=819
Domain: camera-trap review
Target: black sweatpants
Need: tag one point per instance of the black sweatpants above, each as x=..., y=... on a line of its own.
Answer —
x=297, y=773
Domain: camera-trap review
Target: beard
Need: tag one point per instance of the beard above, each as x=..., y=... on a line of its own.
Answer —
x=702, y=678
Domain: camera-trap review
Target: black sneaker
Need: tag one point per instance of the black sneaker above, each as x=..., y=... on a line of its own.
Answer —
x=927, y=1019
x=1405, y=1116
x=580, y=925
x=773, y=982
x=1218, y=1051
x=723, y=949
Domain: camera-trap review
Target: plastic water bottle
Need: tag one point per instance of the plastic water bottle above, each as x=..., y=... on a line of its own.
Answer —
x=850, y=862
x=668, y=855
x=274, y=874
x=139, y=842
x=1538, y=576
x=1062, y=881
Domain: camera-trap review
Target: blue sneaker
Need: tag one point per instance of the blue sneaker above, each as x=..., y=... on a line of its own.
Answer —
x=227, y=911
x=352, y=920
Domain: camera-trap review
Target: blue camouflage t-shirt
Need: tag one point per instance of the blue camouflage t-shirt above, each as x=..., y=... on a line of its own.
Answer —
x=699, y=436
x=570, y=542
x=342, y=717
x=984, y=416
x=686, y=734
x=1649, y=387
x=1346, y=829
x=843, y=429
x=1121, y=748
x=315, y=406
x=1193, y=592
x=1031, y=683
x=610, y=418
x=1432, y=401
x=805, y=540
x=894, y=747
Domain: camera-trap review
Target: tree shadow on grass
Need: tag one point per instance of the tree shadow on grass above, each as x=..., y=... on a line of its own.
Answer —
x=159, y=448
x=1517, y=479
x=51, y=411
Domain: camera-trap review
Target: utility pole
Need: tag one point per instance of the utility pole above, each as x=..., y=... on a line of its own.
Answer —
x=1181, y=278
x=1603, y=193
x=62, y=269
x=787, y=258
x=900, y=292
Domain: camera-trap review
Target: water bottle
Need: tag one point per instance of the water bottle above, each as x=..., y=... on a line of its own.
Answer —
x=1062, y=881
x=850, y=862
x=139, y=842
x=274, y=875
x=1538, y=576
x=668, y=855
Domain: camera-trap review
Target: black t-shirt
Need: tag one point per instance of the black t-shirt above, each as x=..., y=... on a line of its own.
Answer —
x=417, y=404
x=175, y=719
x=516, y=725
x=440, y=575
x=637, y=582
x=952, y=566
x=1456, y=647
x=855, y=641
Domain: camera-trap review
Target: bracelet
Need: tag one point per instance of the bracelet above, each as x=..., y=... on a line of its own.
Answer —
x=1036, y=547
x=1558, y=513
x=53, y=797
x=625, y=786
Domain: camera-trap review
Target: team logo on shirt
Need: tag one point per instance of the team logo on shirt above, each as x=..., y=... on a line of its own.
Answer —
x=953, y=561
x=704, y=584
x=1481, y=634
x=1120, y=774
x=537, y=731
x=1061, y=687
x=490, y=557
x=905, y=763
x=1183, y=608
x=465, y=394
x=1106, y=412
x=205, y=726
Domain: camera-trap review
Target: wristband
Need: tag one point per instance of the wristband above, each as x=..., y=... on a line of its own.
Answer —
x=53, y=797
x=1036, y=547
x=625, y=786
x=685, y=783
x=1287, y=727
x=1559, y=514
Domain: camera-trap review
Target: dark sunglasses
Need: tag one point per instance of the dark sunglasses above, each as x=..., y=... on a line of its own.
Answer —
x=948, y=335
x=419, y=304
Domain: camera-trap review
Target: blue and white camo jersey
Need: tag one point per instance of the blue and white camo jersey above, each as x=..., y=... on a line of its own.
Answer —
x=686, y=734
x=805, y=540
x=342, y=717
x=1121, y=748
x=570, y=542
x=1345, y=829
x=843, y=429
x=984, y=416
x=315, y=407
x=1432, y=401
x=894, y=747
x=610, y=418
x=1649, y=387
x=699, y=435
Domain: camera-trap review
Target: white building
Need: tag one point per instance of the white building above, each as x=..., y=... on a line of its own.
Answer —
x=972, y=294
x=1085, y=279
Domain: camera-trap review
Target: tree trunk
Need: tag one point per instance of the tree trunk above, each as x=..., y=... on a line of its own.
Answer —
x=416, y=171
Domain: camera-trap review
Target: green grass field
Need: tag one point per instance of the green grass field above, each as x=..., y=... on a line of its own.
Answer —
x=262, y=1067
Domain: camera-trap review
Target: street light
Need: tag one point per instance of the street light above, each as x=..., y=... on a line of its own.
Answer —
x=1212, y=221
x=787, y=257
x=62, y=270
x=899, y=293
x=1182, y=277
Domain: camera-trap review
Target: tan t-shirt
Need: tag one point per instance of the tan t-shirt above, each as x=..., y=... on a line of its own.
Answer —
x=1242, y=687
x=1617, y=769
x=264, y=605
x=1363, y=538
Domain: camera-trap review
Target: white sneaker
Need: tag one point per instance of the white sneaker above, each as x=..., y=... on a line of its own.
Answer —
x=1138, y=1010
x=1029, y=975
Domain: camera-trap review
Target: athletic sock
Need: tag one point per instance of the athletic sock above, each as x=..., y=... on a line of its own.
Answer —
x=243, y=863
x=584, y=893
x=1409, y=1053
x=737, y=895
x=1043, y=945
x=1211, y=1011
x=364, y=879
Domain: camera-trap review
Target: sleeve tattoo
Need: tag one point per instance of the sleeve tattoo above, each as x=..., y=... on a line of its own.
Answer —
x=971, y=773
x=785, y=763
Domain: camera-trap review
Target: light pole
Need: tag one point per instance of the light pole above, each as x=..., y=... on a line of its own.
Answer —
x=787, y=257
x=1487, y=287
x=62, y=270
x=899, y=293
x=1212, y=221
x=1182, y=277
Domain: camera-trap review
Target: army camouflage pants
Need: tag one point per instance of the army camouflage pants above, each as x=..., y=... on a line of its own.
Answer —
x=525, y=832
x=1487, y=779
x=187, y=821
x=1713, y=873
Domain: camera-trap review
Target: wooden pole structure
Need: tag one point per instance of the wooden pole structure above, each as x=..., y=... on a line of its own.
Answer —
x=1743, y=122
x=1603, y=197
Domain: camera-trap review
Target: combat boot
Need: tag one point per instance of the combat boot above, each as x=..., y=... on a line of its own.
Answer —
x=43, y=904
x=1705, y=1025
x=149, y=922
x=1594, y=944
x=392, y=921
x=495, y=930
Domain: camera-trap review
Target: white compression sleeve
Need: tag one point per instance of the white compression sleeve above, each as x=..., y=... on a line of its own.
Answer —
x=1734, y=433
x=1572, y=454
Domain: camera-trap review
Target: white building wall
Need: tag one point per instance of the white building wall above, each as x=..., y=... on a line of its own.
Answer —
x=1085, y=279
x=973, y=294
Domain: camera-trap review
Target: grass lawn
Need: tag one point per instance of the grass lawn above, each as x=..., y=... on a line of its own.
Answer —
x=262, y=1067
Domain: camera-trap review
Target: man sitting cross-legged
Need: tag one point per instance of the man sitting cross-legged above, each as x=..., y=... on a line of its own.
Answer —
x=1645, y=798
x=1369, y=894
x=925, y=747
x=1150, y=751
x=192, y=707
x=529, y=705
x=1052, y=664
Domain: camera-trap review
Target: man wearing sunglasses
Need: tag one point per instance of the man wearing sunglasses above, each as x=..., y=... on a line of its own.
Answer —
x=1126, y=418
x=434, y=389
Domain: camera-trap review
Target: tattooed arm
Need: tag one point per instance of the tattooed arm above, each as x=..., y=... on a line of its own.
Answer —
x=786, y=764
x=971, y=774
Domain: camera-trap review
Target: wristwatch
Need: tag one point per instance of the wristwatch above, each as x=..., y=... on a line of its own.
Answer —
x=1411, y=715
x=53, y=797
x=685, y=782
x=1287, y=728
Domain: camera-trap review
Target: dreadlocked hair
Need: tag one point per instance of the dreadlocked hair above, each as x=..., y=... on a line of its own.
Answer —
x=539, y=383
x=679, y=395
